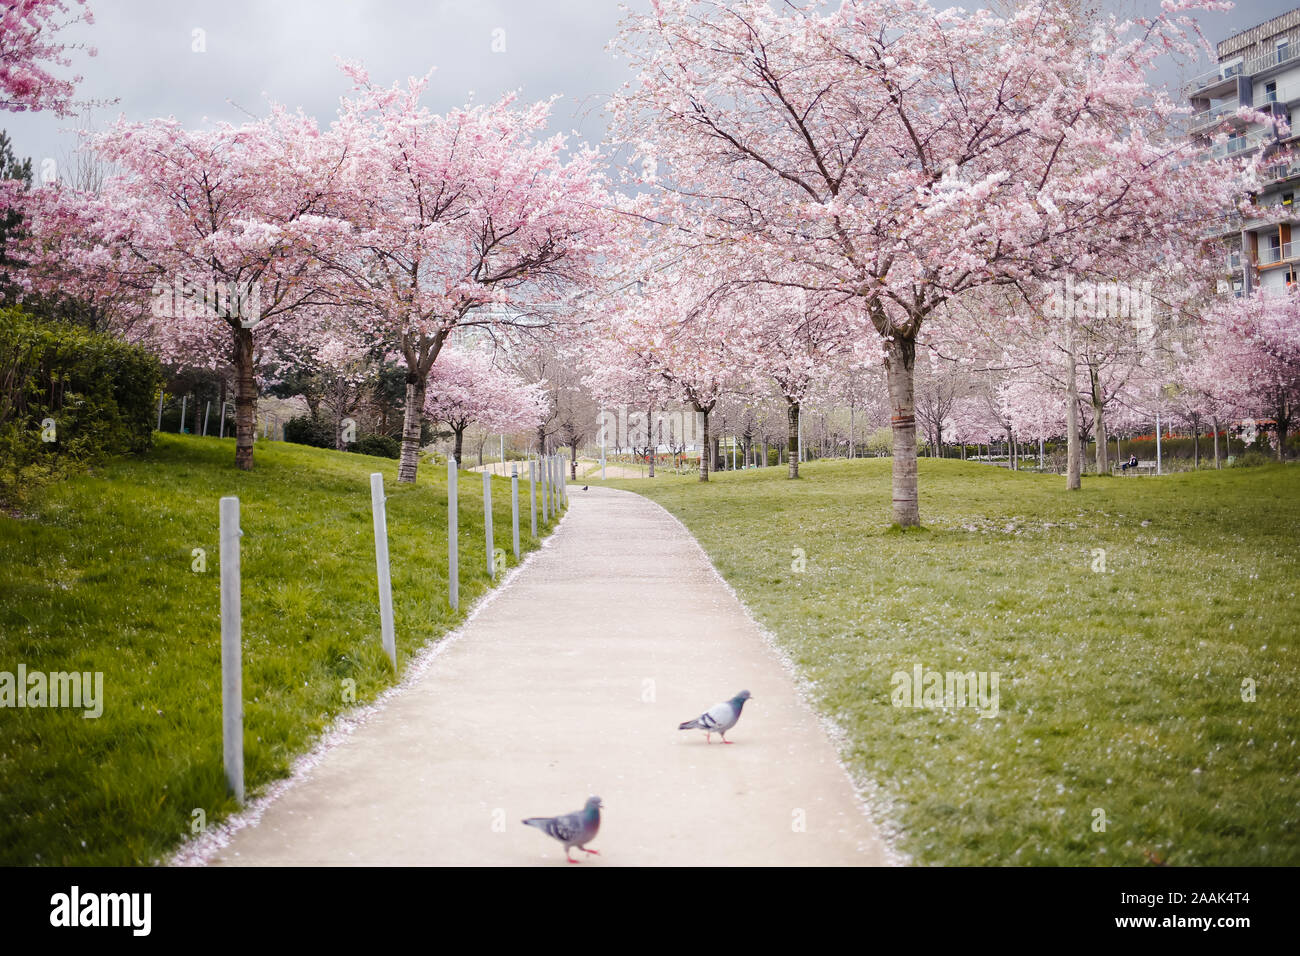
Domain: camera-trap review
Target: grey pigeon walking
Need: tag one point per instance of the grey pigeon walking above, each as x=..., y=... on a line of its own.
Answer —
x=573, y=829
x=719, y=718
x=584, y=487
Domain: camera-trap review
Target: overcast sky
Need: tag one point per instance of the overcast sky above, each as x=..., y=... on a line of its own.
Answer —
x=284, y=50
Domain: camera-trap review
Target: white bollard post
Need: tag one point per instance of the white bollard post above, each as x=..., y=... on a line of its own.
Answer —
x=532, y=495
x=377, y=500
x=232, y=692
x=564, y=482
x=487, y=523
x=161, y=396
x=206, y=408
x=223, y=419
x=453, y=567
x=546, y=490
x=514, y=507
x=184, y=399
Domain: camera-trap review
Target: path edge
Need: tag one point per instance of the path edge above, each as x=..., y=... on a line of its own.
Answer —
x=198, y=850
x=871, y=799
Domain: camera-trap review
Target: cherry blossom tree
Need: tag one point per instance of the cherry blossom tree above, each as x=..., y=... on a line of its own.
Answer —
x=470, y=387
x=202, y=232
x=457, y=220
x=29, y=50
x=1249, y=358
x=796, y=341
x=671, y=339
x=903, y=156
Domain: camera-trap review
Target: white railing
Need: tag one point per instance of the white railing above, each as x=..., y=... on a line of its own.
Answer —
x=1283, y=253
x=1217, y=75
x=1282, y=54
x=1276, y=174
x=1284, y=94
x=1213, y=115
x=1235, y=145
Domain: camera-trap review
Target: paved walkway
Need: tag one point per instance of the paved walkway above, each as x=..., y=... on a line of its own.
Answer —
x=572, y=682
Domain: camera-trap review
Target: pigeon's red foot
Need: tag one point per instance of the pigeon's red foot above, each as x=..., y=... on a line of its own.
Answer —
x=726, y=741
x=572, y=860
x=592, y=852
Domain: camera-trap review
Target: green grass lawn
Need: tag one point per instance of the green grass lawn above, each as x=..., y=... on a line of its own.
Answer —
x=96, y=575
x=1120, y=690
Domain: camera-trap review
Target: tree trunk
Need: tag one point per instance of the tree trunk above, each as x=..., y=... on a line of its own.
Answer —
x=1214, y=423
x=573, y=462
x=1196, y=445
x=1073, y=453
x=460, y=444
x=1099, y=428
x=705, y=447
x=413, y=418
x=899, y=370
x=651, y=443
x=245, y=399
x=792, y=439
x=1283, y=417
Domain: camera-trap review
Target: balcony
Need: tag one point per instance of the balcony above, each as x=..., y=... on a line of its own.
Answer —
x=1283, y=94
x=1283, y=54
x=1234, y=261
x=1223, y=226
x=1212, y=116
x=1279, y=173
x=1216, y=77
x=1235, y=146
x=1287, y=252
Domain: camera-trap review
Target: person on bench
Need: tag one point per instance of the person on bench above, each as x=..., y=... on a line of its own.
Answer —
x=1131, y=463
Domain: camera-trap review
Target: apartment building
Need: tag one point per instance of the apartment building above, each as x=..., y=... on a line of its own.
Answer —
x=1259, y=68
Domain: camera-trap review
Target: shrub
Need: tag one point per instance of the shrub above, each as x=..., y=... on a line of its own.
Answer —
x=381, y=446
x=1252, y=458
x=96, y=391
x=306, y=430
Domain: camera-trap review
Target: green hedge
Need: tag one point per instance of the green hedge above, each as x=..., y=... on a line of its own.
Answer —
x=96, y=393
x=306, y=430
x=381, y=446
x=317, y=432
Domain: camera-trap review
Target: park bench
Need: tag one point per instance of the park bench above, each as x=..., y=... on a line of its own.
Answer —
x=1148, y=467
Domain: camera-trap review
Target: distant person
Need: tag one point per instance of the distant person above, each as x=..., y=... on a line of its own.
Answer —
x=1131, y=463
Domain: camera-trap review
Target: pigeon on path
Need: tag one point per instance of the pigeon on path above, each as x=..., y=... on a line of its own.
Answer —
x=719, y=718
x=572, y=829
x=584, y=487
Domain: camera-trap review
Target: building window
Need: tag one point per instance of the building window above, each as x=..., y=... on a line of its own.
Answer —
x=1283, y=49
x=1288, y=198
x=1270, y=91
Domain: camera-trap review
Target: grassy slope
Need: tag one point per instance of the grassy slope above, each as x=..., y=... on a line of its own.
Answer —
x=1119, y=690
x=97, y=577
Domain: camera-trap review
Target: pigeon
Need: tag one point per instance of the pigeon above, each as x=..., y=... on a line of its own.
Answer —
x=573, y=829
x=719, y=718
x=584, y=487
